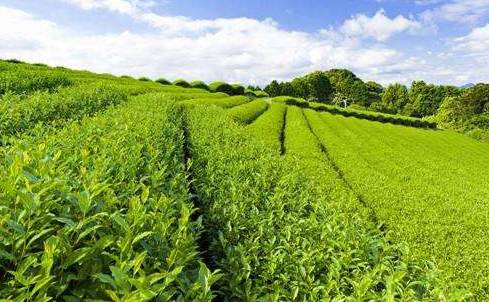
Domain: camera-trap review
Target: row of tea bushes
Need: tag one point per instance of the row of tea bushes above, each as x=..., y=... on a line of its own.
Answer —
x=101, y=211
x=367, y=115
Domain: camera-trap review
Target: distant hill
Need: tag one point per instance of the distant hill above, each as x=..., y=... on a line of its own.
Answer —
x=468, y=85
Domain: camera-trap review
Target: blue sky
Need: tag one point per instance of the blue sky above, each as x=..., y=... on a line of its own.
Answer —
x=440, y=41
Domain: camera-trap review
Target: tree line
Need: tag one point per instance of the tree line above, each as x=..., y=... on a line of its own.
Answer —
x=465, y=109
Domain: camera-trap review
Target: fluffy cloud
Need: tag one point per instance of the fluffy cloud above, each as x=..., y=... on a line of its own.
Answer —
x=129, y=7
x=236, y=50
x=379, y=26
x=476, y=41
x=458, y=11
x=241, y=49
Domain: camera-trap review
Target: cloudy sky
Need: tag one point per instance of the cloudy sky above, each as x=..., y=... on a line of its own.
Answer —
x=254, y=41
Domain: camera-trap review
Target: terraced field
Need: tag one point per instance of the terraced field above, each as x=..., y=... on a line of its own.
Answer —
x=114, y=189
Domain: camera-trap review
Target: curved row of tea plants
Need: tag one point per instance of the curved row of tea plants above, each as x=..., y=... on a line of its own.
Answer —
x=270, y=127
x=224, y=102
x=101, y=210
x=248, y=112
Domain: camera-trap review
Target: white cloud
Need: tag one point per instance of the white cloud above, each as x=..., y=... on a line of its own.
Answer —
x=461, y=11
x=427, y=2
x=476, y=41
x=16, y=25
x=236, y=50
x=129, y=7
x=379, y=26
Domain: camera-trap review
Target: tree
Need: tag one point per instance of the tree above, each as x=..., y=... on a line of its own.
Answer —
x=469, y=106
x=253, y=88
x=476, y=99
x=425, y=99
x=318, y=86
x=395, y=97
x=273, y=89
x=286, y=88
x=375, y=91
x=349, y=86
x=300, y=88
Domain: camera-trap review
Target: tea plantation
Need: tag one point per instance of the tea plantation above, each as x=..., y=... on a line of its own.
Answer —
x=118, y=189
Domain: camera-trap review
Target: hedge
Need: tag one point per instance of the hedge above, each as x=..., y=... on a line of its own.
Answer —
x=221, y=87
x=199, y=84
x=163, y=81
x=238, y=89
x=261, y=94
x=256, y=93
x=372, y=116
x=181, y=83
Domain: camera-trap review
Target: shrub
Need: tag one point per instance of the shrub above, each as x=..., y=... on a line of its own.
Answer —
x=181, y=83
x=212, y=99
x=199, y=84
x=250, y=93
x=238, y=89
x=28, y=81
x=144, y=79
x=261, y=94
x=221, y=87
x=356, y=107
x=248, y=112
x=14, y=61
x=163, y=81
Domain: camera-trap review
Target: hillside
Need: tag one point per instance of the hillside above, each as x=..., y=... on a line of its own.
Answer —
x=117, y=189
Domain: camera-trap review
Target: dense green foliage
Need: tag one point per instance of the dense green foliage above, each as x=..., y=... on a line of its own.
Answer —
x=16, y=116
x=101, y=210
x=280, y=232
x=248, y=112
x=394, y=98
x=314, y=86
x=224, y=102
x=199, y=84
x=419, y=100
x=113, y=188
x=238, y=89
x=181, y=83
x=362, y=114
x=464, y=110
x=256, y=93
x=163, y=81
x=270, y=127
x=221, y=87
x=24, y=81
x=348, y=88
x=468, y=111
x=428, y=186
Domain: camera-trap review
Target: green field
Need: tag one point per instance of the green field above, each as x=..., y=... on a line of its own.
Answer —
x=117, y=189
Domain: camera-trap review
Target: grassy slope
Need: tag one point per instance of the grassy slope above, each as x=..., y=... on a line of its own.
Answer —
x=430, y=187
